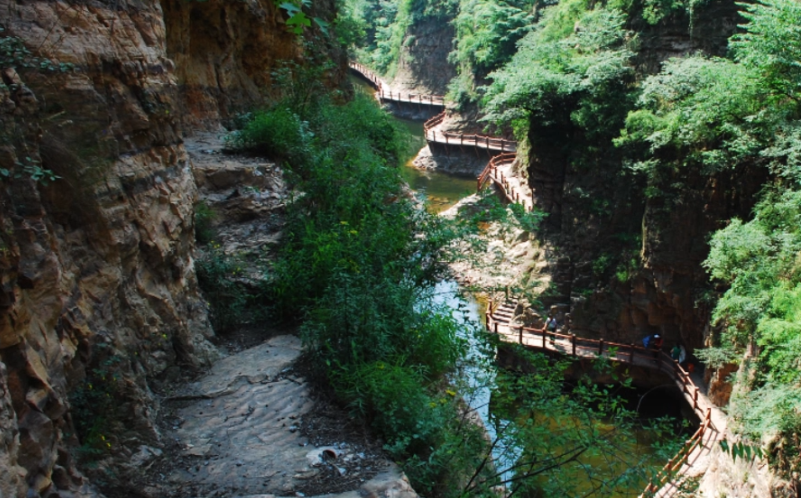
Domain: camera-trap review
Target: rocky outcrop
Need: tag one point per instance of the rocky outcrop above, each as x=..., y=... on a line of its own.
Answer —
x=630, y=264
x=460, y=163
x=99, y=295
x=423, y=65
x=225, y=54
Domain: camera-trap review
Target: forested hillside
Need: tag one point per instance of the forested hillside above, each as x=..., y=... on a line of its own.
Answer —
x=663, y=144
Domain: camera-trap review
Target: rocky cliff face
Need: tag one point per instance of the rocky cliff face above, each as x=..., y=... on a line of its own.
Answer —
x=597, y=215
x=423, y=65
x=99, y=295
x=224, y=54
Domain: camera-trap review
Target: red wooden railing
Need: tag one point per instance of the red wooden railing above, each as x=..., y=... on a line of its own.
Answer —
x=386, y=93
x=627, y=353
x=492, y=165
x=473, y=140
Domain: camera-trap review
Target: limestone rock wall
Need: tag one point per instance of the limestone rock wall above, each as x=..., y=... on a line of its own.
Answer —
x=423, y=65
x=97, y=284
x=225, y=53
x=595, y=210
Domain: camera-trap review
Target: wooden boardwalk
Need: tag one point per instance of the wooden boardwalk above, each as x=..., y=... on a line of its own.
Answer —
x=434, y=134
x=432, y=127
x=514, y=188
x=385, y=93
x=692, y=459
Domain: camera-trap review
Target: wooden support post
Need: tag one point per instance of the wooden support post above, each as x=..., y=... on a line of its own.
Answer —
x=573, y=341
x=521, y=335
x=631, y=356
x=600, y=347
x=495, y=324
x=695, y=399
x=487, y=319
x=487, y=142
x=544, y=335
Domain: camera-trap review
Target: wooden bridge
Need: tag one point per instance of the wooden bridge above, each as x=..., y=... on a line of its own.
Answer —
x=435, y=135
x=514, y=188
x=693, y=454
x=385, y=93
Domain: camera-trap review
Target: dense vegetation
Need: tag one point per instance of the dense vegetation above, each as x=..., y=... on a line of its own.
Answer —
x=358, y=269
x=565, y=76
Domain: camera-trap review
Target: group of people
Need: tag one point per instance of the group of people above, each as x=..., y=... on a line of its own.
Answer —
x=678, y=353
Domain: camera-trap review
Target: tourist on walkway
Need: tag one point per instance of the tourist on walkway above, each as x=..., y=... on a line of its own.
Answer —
x=657, y=345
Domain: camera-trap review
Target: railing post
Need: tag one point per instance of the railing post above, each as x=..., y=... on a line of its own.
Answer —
x=544, y=335
x=695, y=399
x=573, y=341
x=600, y=347
x=495, y=325
x=487, y=319
x=521, y=334
x=631, y=355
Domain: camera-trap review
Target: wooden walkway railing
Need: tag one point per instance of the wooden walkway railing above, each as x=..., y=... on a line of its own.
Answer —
x=492, y=167
x=570, y=344
x=510, y=191
x=474, y=140
x=386, y=93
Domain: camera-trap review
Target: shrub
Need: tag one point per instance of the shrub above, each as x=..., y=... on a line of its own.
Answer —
x=227, y=298
x=277, y=132
x=204, y=223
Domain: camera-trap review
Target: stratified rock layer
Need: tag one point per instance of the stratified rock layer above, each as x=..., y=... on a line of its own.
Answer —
x=97, y=267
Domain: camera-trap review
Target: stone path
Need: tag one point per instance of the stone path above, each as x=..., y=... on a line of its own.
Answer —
x=238, y=434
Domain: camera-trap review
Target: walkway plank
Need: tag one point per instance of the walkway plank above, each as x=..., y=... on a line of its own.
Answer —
x=693, y=459
x=385, y=92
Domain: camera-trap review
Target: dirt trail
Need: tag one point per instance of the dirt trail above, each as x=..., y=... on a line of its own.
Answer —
x=251, y=426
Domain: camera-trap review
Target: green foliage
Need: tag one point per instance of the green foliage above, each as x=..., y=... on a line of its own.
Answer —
x=759, y=259
x=486, y=36
x=584, y=73
x=32, y=169
x=217, y=275
x=278, y=132
x=387, y=23
x=204, y=223
x=298, y=21
x=95, y=406
x=14, y=54
x=529, y=220
x=717, y=357
x=697, y=112
x=570, y=442
x=770, y=46
x=741, y=450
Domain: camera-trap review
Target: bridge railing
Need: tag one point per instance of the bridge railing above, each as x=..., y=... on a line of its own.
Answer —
x=476, y=140
x=627, y=353
x=367, y=73
x=433, y=123
x=386, y=93
x=492, y=165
